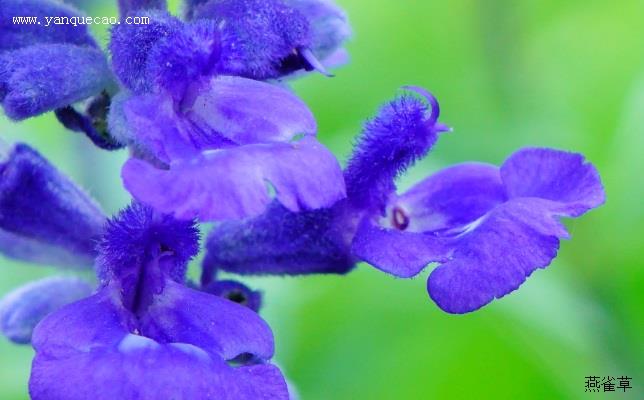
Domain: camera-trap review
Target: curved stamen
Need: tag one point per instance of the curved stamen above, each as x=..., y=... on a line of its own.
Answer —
x=310, y=58
x=433, y=103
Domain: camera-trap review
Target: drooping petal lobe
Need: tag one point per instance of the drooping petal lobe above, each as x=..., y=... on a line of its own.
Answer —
x=280, y=242
x=40, y=204
x=216, y=113
x=23, y=308
x=16, y=32
x=94, y=341
x=496, y=257
x=235, y=183
x=248, y=111
x=41, y=78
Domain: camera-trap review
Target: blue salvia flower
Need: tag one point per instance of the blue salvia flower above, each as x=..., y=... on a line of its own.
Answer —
x=49, y=68
x=487, y=227
x=45, y=68
x=268, y=39
x=145, y=334
x=44, y=219
x=187, y=123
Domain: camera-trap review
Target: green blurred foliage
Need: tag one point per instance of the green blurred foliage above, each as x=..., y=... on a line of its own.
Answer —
x=565, y=74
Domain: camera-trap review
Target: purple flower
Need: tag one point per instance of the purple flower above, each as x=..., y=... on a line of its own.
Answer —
x=144, y=332
x=487, y=227
x=15, y=36
x=23, y=308
x=42, y=67
x=44, y=219
x=210, y=146
x=266, y=39
x=44, y=216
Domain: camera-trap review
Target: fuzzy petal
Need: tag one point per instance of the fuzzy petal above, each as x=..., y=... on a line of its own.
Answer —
x=233, y=183
x=23, y=308
x=395, y=139
x=257, y=35
x=39, y=204
x=182, y=57
x=43, y=77
x=131, y=45
x=17, y=35
x=280, y=242
x=37, y=252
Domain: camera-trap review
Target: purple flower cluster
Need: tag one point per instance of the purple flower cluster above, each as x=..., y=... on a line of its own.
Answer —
x=215, y=135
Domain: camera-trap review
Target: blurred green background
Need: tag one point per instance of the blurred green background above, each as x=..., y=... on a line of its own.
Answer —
x=564, y=74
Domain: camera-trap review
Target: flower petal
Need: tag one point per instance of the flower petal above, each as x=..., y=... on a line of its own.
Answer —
x=39, y=204
x=257, y=35
x=154, y=127
x=17, y=35
x=280, y=242
x=183, y=56
x=495, y=257
x=86, y=351
x=417, y=228
x=35, y=251
x=43, y=77
x=554, y=175
x=394, y=140
x=248, y=111
x=131, y=45
x=329, y=25
x=24, y=307
x=233, y=183
x=402, y=254
x=451, y=198
x=217, y=325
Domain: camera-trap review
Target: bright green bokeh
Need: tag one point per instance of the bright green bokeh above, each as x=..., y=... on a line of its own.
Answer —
x=565, y=74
